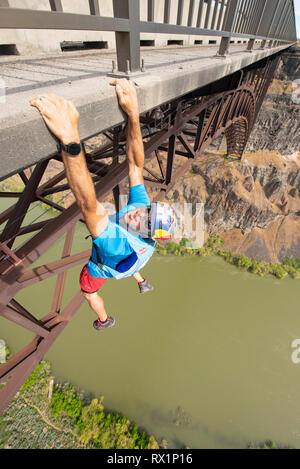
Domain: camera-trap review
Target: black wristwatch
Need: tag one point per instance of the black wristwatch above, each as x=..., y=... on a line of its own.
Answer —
x=72, y=149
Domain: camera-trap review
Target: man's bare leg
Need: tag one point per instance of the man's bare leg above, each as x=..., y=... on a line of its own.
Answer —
x=97, y=304
x=137, y=276
x=144, y=285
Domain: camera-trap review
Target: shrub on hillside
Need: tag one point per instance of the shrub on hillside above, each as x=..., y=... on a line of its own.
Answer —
x=260, y=268
x=290, y=262
x=277, y=270
x=244, y=262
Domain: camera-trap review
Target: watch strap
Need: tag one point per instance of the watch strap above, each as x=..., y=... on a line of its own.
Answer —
x=67, y=148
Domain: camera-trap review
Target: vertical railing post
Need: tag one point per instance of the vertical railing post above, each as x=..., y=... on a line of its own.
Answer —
x=265, y=21
x=94, y=7
x=271, y=26
x=191, y=12
x=150, y=10
x=250, y=44
x=167, y=11
x=275, y=18
x=200, y=10
x=249, y=17
x=128, y=43
x=56, y=5
x=179, y=12
x=281, y=23
x=230, y=19
x=259, y=18
x=263, y=44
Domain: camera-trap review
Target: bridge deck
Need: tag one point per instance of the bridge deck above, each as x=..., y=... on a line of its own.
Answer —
x=82, y=77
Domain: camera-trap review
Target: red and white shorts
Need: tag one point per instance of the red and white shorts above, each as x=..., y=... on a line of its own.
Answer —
x=89, y=284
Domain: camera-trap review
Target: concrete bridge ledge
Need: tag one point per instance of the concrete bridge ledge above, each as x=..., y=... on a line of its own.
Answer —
x=25, y=140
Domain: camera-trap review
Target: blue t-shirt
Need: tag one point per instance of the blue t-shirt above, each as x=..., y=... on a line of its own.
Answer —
x=112, y=244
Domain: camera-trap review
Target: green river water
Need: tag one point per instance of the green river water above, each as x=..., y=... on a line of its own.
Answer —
x=204, y=360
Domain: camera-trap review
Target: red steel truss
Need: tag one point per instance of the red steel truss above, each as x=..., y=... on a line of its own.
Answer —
x=184, y=127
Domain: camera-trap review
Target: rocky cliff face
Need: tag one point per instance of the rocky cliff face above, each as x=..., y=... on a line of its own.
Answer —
x=289, y=67
x=277, y=127
x=254, y=204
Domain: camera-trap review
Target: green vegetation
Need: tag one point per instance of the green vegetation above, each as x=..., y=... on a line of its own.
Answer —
x=12, y=184
x=214, y=245
x=47, y=415
x=284, y=88
x=268, y=444
x=47, y=207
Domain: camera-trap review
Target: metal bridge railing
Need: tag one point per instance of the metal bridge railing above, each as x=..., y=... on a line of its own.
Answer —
x=265, y=20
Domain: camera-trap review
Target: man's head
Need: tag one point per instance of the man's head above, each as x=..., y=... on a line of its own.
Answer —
x=139, y=220
x=157, y=222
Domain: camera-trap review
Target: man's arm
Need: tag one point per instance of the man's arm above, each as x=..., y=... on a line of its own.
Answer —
x=62, y=118
x=134, y=145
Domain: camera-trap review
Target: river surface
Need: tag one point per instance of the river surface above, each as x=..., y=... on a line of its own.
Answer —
x=204, y=360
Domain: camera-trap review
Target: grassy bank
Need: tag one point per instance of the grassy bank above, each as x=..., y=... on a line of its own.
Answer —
x=213, y=247
x=45, y=414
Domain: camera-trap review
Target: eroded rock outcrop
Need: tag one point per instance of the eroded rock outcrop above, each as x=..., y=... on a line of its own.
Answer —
x=253, y=204
x=277, y=127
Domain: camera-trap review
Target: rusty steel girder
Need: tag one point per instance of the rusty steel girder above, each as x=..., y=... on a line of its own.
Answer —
x=182, y=128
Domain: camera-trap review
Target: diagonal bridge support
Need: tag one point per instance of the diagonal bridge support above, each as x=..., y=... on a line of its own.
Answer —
x=174, y=134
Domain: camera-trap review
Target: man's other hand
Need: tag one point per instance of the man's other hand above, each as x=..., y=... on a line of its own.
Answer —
x=127, y=96
x=60, y=115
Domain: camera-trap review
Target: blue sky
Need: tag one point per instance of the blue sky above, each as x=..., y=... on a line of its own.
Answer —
x=297, y=11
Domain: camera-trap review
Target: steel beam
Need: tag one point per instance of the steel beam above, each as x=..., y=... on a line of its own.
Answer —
x=49, y=270
x=18, y=18
x=28, y=323
x=26, y=364
x=17, y=216
x=61, y=278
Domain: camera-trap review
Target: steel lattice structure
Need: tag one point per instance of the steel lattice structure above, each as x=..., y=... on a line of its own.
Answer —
x=183, y=128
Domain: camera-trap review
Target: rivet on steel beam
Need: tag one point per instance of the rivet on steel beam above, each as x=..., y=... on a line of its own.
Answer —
x=143, y=66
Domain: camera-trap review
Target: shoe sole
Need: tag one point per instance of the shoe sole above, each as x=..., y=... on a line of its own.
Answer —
x=145, y=291
x=105, y=327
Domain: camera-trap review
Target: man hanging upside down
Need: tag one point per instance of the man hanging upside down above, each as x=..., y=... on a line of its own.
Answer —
x=123, y=243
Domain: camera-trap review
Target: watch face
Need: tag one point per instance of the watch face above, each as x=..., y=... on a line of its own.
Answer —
x=74, y=148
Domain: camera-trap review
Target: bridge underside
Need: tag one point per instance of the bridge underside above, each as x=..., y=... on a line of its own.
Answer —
x=181, y=128
x=172, y=72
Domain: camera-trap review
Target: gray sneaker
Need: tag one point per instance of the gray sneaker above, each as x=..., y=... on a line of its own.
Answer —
x=145, y=286
x=99, y=325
